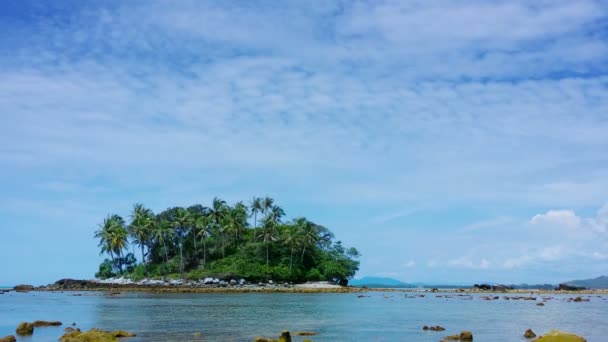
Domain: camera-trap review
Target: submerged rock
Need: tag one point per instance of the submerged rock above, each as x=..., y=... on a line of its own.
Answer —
x=285, y=337
x=529, y=334
x=46, y=323
x=9, y=338
x=433, y=328
x=94, y=335
x=24, y=329
x=305, y=333
x=559, y=336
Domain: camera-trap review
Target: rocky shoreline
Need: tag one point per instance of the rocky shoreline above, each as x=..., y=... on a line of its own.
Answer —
x=207, y=285
x=214, y=285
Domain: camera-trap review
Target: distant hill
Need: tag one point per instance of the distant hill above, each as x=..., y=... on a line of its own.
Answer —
x=600, y=282
x=381, y=282
x=378, y=282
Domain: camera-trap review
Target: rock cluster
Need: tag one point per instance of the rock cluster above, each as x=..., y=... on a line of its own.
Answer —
x=285, y=337
x=529, y=333
x=9, y=338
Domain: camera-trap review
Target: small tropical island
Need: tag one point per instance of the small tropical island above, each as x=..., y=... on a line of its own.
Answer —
x=249, y=241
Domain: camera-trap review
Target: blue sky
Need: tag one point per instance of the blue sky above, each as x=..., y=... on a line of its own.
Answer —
x=451, y=142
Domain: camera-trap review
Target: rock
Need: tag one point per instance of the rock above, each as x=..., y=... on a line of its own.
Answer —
x=437, y=328
x=46, y=323
x=223, y=283
x=68, y=329
x=9, y=338
x=216, y=281
x=264, y=339
x=73, y=324
x=242, y=282
x=465, y=336
x=559, y=336
x=305, y=333
x=425, y=327
x=270, y=282
x=23, y=288
x=232, y=282
x=24, y=329
x=434, y=289
x=285, y=336
x=483, y=287
x=452, y=338
x=529, y=334
x=94, y=335
x=540, y=304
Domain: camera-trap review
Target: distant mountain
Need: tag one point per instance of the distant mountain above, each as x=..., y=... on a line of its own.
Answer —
x=600, y=282
x=378, y=282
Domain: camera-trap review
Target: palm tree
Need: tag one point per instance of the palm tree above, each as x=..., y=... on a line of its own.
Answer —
x=256, y=207
x=203, y=224
x=267, y=204
x=291, y=237
x=237, y=221
x=112, y=237
x=162, y=230
x=267, y=234
x=218, y=213
x=309, y=234
x=142, y=220
x=182, y=225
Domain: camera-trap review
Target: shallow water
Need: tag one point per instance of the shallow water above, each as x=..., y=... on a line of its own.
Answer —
x=336, y=317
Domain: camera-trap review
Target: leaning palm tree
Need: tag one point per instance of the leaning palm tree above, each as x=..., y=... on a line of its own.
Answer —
x=140, y=229
x=182, y=224
x=267, y=235
x=113, y=237
x=256, y=207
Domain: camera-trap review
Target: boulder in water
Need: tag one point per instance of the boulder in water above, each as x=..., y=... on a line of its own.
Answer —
x=529, y=334
x=9, y=338
x=559, y=336
x=465, y=336
x=24, y=329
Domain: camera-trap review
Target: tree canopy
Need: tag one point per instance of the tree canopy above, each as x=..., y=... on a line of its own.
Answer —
x=219, y=240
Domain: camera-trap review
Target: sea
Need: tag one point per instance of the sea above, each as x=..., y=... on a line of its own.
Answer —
x=380, y=316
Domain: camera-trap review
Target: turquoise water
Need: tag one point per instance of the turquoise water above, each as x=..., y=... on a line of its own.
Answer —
x=336, y=317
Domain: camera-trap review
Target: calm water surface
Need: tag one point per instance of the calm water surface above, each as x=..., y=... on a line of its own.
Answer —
x=336, y=317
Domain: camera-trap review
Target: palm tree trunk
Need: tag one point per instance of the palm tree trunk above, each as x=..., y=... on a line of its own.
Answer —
x=267, y=254
x=181, y=256
x=143, y=259
x=204, y=252
x=223, y=245
x=303, y=251
x=291, y=259
x=255, y=224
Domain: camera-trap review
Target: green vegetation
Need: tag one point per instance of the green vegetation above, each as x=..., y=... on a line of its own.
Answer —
x=199, y=241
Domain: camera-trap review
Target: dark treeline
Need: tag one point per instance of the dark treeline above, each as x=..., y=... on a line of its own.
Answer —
x=248, y=241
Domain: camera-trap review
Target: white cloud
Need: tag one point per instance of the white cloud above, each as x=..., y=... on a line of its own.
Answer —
x=409, y=264
x=558, y=218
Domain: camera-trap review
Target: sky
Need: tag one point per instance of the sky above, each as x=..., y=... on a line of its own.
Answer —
x=449, y=141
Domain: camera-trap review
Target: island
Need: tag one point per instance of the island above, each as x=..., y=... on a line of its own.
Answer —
x=240, y=242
